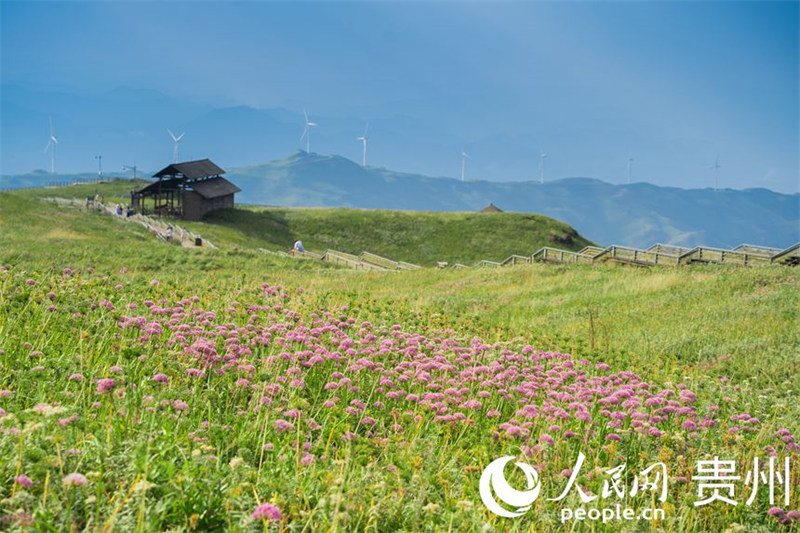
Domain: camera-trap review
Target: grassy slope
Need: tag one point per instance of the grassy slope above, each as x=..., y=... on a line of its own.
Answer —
x=417, y=237
x=422, y=238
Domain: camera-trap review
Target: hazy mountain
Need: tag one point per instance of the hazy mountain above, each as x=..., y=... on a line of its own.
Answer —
x=639, y=214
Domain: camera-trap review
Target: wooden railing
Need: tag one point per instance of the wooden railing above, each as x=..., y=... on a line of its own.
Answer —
x=635, y=256
x=515, y=260
x=789, y=256
x=555, y=255
x=665, y=255
x=704, y=254
x=755, y=249
x=668, y=249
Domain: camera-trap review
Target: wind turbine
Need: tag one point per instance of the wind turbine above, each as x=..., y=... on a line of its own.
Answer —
x=542, y=158
x=307, y=131
x=129, y=167
x=363, y=139
x=52, y=141
x=464, y=157
x=716, y=168
x=630, y=164
x=177, y=141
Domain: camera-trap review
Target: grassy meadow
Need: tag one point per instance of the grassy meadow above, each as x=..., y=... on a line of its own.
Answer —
x=147, y=387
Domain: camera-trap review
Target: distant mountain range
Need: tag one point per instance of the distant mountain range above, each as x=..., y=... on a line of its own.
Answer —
x=638, y=214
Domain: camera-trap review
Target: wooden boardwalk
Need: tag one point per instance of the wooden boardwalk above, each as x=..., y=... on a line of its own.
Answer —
x=656, y=255
x=363, y=261
x=667, y=255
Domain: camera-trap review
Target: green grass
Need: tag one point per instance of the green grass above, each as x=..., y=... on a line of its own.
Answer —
x=415, y=237
x=699, y=326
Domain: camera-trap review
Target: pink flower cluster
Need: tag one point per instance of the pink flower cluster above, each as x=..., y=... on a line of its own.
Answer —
x=524, y=392
x=267, y=511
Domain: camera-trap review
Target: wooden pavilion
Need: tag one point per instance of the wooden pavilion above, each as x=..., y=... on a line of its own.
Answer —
x=186, y=190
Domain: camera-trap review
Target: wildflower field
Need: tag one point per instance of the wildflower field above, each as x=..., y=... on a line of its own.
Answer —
x=162, y=389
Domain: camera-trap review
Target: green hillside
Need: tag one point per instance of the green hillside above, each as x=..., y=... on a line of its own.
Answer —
x=417, y=237
x=149, y=387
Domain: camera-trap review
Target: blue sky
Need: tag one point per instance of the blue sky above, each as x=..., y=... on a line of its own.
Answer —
x=669, y=83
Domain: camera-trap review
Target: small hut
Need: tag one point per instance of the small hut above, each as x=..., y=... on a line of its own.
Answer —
x=186, y=190
x=491, y=208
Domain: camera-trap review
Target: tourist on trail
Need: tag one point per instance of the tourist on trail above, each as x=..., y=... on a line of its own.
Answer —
x=119, y=210
x=129, y=212
x=298, y=247
x=169, y=233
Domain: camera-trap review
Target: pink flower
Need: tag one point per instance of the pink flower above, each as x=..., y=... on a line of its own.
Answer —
x=775, y=511
x=161, y=378
x=76, y=377
x=267, y=511
x=69, y=420
x=471, y=404
x=308, y=458
x=75, y=480
x=24, y=481
x=547, y=439
x=613, y=436
x=528, y=411
x=105, y=385
x=282, y=425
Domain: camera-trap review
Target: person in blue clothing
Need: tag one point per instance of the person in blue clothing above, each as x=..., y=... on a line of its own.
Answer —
x=298, y=247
